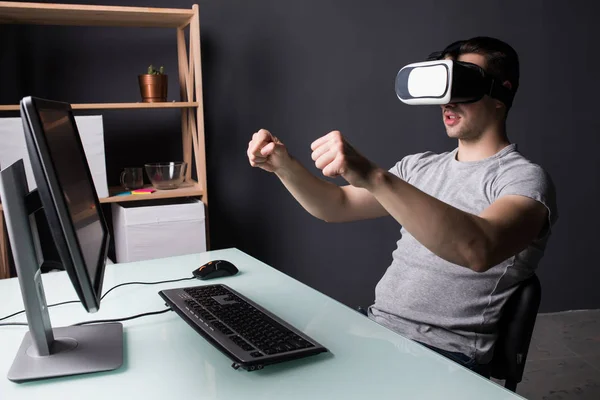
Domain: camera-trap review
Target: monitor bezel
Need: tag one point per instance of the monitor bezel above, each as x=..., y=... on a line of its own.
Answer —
x=55, y=206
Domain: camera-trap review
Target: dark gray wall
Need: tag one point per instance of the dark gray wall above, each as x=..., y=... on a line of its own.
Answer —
x=303, y=68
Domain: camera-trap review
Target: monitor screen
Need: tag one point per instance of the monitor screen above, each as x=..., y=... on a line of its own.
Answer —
x=70, y=166
x=68, y=194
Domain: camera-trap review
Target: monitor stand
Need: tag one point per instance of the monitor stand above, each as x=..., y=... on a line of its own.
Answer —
x=47, y=352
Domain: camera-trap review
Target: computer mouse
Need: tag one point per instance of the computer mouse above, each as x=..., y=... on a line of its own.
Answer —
x=215, y=269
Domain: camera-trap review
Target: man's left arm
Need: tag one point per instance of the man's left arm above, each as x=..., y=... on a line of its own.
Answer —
x=477, y=242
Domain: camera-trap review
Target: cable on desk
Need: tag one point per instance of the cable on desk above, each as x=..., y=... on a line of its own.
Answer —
x=14, y=324
x=99, y=320
x=122, y=319
x=104, y=295
x=51, y=305
x=144, y=283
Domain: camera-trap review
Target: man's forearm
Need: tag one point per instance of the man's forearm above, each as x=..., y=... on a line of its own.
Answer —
x=450, y=233
x=322, y=199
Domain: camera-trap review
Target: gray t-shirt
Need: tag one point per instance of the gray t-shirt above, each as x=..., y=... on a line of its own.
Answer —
x=428, y=299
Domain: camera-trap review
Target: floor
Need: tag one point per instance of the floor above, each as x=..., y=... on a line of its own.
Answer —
x=564, y=357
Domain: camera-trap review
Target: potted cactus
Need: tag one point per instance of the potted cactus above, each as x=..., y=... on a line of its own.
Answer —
x=153, y=85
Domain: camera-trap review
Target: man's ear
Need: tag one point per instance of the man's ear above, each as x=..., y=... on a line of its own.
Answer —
x=507, y=85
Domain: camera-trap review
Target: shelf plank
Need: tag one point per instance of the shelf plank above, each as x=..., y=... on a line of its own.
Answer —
x=117, y=106
x=92, y=15
x=188, y=189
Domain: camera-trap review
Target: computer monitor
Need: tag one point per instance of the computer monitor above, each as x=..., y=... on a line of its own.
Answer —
x=66, y=192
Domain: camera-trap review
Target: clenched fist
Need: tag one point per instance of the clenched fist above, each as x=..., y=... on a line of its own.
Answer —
x=336, y=157
x=267, y=152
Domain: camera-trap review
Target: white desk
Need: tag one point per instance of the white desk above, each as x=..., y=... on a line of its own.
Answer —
x=166, y=359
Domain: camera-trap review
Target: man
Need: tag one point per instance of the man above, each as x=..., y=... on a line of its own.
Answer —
x=475, y=221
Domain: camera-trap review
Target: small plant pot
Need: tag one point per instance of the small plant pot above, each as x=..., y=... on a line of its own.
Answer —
x=153, y=88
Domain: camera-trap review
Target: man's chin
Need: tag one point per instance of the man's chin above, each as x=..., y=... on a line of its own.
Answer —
x=452, y=133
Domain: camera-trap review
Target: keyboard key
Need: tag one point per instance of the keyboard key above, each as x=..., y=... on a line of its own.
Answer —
x=279, y=348
x=288, y=346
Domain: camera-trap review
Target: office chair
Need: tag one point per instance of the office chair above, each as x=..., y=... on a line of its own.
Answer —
x=515, y=328
x=514, y=333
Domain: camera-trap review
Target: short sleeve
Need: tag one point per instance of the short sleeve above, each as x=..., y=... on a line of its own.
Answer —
x=529, y=180
x=404, y=168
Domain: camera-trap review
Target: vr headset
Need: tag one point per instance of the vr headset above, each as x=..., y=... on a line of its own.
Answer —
x=444, y=81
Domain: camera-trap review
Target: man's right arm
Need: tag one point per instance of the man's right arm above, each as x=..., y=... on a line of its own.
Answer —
x=322, y=199
x=326, y=200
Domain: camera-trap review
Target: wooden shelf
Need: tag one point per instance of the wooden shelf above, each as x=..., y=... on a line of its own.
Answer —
x=117, y=106
x=88, y=15
x=188, y=189
x=189, y=71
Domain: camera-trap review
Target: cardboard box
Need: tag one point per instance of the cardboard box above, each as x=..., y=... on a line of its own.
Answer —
x=145, y=230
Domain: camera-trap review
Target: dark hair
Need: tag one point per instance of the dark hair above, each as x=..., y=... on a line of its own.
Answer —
x=501, y=60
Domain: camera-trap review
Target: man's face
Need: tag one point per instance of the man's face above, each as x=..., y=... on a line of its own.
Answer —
x=468, y=121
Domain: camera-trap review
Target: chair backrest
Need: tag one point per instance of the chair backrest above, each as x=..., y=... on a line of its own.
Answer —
x=514, y=332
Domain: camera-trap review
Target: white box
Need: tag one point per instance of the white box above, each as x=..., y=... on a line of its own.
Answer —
x=90, y=129
x=146, y=230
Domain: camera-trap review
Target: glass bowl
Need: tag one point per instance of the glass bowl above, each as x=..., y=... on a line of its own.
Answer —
x=167, y=175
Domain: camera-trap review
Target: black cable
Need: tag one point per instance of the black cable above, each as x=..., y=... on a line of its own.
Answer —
x=104, y=295
x=14, y=324
x=144, y=283
x=12, y=315
x=99, y=320
x=122, y=319
x=51, y=305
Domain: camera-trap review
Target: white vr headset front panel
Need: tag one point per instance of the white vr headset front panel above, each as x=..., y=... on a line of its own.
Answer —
x=428, y=82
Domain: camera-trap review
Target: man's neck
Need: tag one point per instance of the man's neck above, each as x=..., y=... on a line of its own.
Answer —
x=482, y=147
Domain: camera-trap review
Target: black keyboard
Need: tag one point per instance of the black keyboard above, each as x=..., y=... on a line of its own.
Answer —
x=250, y=335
